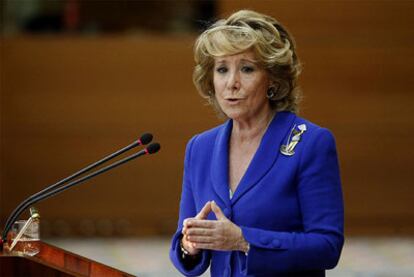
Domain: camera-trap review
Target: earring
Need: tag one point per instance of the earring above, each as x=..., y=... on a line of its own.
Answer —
x=271, y=92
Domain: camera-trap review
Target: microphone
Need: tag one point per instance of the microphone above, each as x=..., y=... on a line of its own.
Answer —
x=153, y=148
x=143, y=140
x=55, y=189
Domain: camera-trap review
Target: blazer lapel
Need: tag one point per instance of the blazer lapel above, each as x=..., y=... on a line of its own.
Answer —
x=265, y=155
x=220, y=163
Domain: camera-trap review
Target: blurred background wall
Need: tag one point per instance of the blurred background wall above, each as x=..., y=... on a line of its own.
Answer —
x=81, y=79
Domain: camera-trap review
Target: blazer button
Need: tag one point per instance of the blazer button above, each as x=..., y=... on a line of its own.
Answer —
x=227, y=212
x=276, y=243
x=265, y=240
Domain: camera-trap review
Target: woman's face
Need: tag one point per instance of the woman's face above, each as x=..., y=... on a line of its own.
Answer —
x=240, y=85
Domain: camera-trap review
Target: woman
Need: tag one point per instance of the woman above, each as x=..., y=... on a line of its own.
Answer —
x=261, y=193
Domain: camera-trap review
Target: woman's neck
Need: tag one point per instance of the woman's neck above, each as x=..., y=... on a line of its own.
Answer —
x=247, y=130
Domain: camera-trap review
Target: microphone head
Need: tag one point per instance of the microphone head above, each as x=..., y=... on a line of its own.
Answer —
x=145, y=138
x=153, y=148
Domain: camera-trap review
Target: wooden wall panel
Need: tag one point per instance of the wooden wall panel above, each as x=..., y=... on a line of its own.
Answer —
x=68, y=101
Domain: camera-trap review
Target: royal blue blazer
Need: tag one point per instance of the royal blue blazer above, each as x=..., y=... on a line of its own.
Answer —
x=289, y=208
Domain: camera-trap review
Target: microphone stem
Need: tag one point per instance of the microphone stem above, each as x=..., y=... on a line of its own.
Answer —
x=54, y=189
x=87, y=177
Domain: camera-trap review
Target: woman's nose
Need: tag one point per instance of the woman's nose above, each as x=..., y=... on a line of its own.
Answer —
x=233, y=82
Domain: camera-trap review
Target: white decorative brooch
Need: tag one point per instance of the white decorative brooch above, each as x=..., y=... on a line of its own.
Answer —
x=287, y=149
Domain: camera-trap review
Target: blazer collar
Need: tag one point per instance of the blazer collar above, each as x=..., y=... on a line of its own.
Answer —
x=220, y=163
x=261, y=163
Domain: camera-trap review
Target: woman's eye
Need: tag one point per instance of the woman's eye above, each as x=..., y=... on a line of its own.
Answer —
x=247, y=69
x=221, y=69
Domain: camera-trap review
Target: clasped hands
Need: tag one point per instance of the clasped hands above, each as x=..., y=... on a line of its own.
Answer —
x=221, y=234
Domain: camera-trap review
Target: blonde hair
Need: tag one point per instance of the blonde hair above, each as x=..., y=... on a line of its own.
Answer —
x=273, y=46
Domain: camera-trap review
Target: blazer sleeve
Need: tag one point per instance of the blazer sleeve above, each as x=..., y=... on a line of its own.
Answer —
x=319, y=246
x=187, y=209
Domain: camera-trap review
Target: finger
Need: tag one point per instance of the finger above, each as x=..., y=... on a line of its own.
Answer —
x=185, y=224
x=200, y=239
x=189, y=246
x=217, y=211
x=196, y=231
x=201, y=223
x=205, y=245
x=184, y=231
x=185, y=221
x=204, y=211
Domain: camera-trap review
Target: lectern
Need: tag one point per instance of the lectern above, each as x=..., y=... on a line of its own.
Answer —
x=53, y=261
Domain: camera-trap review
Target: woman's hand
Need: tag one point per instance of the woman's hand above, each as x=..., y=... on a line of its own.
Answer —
x=200, y=216
x=220, y=234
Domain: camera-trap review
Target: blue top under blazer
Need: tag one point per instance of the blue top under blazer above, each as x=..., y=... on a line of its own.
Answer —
x=290, y=208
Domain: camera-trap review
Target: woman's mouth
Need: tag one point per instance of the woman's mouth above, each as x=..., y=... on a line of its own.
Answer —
x=234, y=100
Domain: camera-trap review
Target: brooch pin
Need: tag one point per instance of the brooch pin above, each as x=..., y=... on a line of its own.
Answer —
x=287, y=149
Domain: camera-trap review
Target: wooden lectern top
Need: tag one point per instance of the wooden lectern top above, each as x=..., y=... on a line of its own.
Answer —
x=54, y=261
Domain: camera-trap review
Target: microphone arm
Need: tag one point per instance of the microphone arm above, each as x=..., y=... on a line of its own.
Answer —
x=55, y=189
x=20, y=208
x=87, y=177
